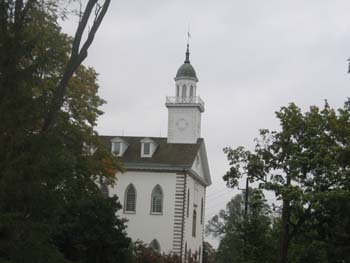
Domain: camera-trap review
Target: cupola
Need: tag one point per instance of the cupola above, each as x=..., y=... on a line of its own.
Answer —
x=186, y=70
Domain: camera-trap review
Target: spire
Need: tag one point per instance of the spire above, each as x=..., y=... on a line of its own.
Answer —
x=187, y=54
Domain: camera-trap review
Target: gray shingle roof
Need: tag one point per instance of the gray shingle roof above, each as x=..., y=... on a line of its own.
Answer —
x=166, y=154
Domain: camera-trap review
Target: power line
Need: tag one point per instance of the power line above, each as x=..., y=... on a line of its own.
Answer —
x=219, y=190
x=218, y=194
x=217, y=198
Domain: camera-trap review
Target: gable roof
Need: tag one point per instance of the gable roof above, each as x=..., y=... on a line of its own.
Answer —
x=174, y=157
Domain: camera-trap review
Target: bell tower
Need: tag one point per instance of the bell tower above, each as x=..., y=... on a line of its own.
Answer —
x=185, y=108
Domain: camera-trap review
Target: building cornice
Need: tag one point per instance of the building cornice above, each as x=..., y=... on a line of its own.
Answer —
x=153, y=167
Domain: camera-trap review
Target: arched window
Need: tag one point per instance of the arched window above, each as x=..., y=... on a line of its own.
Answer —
x=177, y=91
x=157, y=200
x=191, y=91
x=194, y=223
x=184, y=91
x=155, y=245
x=130, y=199
x=202, y=211
x=188, y=202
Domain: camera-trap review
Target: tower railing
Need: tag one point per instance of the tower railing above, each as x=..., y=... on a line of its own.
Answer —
x=185, y=100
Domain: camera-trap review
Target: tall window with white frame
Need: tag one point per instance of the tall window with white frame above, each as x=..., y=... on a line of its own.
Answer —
x=155, y=245
x=157, y=200
x=130, y=199
x=194, y=223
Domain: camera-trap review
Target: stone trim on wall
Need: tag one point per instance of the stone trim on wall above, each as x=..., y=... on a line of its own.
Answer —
x=179, y=212
x=203, y=225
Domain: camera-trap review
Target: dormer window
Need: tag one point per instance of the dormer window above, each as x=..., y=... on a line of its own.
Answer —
x=119, y=146
x=148, y=147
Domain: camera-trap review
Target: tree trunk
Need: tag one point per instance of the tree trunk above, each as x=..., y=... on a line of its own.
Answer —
x=284, y=235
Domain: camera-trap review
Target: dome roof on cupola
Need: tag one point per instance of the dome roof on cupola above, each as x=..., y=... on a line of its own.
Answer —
x=186, y=70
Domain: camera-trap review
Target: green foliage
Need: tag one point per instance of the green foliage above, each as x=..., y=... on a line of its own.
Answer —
x=141, y=253
x=244, y=238
x=51, y=208
x=306, y=165
x=88, y=229
x=208, y=253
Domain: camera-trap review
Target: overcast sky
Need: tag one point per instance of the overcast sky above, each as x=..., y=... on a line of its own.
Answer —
x=251, y=58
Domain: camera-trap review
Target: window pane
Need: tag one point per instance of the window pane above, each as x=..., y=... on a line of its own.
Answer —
x=155, y=245
x=130, y=199
x=146, y=148
x=157, y=200
x=116, y=148
x=202, y=212
x=194, y=223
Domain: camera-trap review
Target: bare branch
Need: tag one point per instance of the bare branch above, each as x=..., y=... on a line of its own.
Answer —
x=76, y=58
x=81, y=27
x=95, y=26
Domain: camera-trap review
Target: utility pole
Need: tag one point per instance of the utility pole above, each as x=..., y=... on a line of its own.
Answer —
x=246, y=196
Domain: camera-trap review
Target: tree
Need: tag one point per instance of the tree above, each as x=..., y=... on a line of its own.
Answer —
x=245, y=237
x=304, y=164
x=51, y=158
x=145, y=254
x=89, y=231
x=208, y=253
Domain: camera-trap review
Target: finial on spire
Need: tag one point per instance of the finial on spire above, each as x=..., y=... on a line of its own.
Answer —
x=188, y=34
x=188, y=54
x=188, y=45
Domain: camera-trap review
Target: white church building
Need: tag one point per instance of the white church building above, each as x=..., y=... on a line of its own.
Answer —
x=163, y=188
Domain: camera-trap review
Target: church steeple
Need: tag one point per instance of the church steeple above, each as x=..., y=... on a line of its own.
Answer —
x=185, y=109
